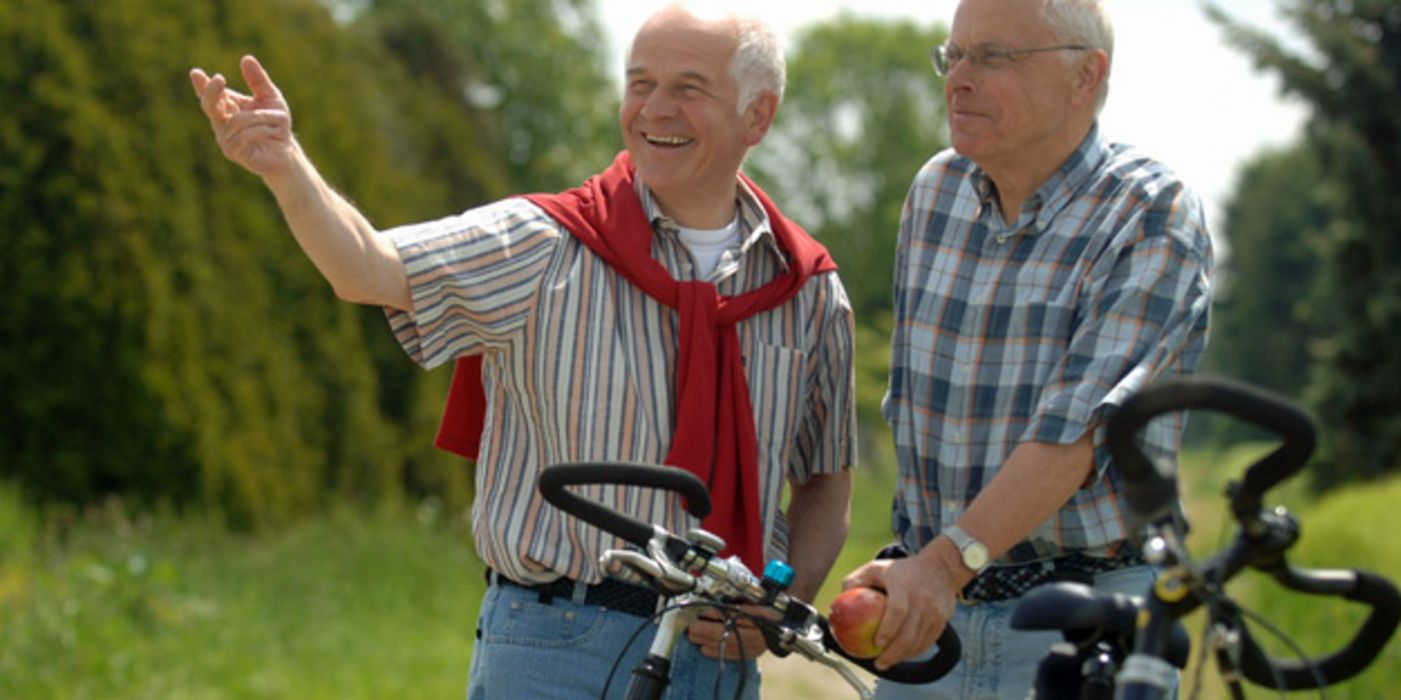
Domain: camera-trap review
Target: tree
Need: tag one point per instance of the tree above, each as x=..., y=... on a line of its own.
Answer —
x=532, y=69
x=161, y=336
x=1275, y=223
x=1354, y=89
x=1263, y=327
x=863, y=112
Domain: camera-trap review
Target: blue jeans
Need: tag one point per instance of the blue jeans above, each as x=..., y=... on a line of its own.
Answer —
x=999, y=663
x=564, y=650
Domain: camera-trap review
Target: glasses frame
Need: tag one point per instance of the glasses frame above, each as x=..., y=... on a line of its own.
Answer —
x=945, y=56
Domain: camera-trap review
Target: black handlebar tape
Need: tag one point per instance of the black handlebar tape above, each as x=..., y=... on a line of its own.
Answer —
x=555, y=478
x=1301, y=674
x=1077, y=609
x=912, y=672
x=1150, y=489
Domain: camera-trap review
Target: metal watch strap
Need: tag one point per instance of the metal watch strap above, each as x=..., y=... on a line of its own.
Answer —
x=974, y=553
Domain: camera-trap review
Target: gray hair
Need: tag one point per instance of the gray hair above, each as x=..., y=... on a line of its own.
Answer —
x=1083, y=22
x=758, y=66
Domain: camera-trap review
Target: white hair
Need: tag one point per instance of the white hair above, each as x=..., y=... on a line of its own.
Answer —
x=1084, y=22
x=758, y=66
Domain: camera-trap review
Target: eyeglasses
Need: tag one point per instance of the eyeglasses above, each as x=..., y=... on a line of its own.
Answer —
x=946, y=56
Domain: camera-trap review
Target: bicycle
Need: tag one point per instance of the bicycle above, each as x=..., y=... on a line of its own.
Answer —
x=1132, y=645
x=689, y=574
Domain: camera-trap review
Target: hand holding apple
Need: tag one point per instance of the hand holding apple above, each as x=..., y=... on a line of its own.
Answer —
x=854, y=619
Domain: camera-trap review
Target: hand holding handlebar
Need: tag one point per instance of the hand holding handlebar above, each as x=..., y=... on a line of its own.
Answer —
x=799, y=620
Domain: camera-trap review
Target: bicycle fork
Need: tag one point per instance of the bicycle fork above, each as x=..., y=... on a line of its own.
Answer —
x=651, y=675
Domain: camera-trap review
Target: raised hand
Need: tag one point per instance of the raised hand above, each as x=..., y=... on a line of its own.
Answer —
x=254, y=131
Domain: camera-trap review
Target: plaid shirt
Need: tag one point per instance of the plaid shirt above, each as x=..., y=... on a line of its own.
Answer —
x=1034, y=331
x=579, y=365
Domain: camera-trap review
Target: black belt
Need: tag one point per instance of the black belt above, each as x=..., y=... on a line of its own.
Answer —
x=609, y=593
x=1006, y=582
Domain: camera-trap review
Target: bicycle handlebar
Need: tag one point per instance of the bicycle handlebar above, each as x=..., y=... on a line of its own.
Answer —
x=1151, y=488
x=1358, y=586
x=915, y=672
x=554, y=479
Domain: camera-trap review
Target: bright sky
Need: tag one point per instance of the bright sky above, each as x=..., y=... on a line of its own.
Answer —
x=1176, y=91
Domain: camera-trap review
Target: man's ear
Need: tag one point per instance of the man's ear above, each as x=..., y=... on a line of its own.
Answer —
x=758, y=117
x=1093, y=71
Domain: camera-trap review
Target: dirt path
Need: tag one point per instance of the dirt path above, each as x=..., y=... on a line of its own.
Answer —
x=794, y=678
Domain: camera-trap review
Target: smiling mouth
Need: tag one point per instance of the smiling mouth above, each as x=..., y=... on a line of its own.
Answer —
x=667, y=141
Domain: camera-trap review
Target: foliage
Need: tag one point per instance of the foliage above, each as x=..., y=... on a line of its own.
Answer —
x=162, y=335
x=347, y=604
x=863, y=112
x=1264, y=326
x=1353, y=84
x=1274, y=223
x=531, y=67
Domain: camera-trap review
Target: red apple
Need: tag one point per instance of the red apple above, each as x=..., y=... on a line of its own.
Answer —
x=855, y=615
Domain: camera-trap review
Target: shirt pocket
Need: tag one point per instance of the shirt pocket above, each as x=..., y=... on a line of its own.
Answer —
x=779, y=393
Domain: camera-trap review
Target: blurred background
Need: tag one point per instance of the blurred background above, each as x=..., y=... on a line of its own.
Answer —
x=218, y=481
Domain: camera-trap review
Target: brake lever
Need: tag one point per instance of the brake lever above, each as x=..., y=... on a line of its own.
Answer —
x=637, y=567
x=800, y=632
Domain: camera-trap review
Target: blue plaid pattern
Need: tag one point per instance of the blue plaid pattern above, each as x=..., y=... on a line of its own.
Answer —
x=1033, y=330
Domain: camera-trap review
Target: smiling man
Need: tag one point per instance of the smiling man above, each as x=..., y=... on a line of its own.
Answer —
x=1043, y=275
x=663, y=312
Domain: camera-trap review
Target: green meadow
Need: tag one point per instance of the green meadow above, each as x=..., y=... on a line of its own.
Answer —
x=351, y=604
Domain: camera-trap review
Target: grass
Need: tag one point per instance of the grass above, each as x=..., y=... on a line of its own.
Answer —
x=383, y=605
x=343, y=606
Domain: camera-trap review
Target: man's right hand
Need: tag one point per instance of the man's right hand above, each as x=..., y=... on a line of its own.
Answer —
x=254, y=131
x=920, y=598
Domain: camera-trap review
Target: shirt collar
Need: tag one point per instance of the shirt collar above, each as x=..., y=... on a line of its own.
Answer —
x=753, y=220
x=1057, y=191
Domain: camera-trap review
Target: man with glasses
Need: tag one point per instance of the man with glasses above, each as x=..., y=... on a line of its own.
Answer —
x=1043, y=275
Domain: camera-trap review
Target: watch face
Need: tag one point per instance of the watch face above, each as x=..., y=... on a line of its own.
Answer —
x=975, y=556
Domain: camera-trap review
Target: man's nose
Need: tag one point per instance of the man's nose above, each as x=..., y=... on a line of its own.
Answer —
x=962, y=75
x=658, y=104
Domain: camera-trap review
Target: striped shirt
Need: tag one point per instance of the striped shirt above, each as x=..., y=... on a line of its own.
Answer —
x=1033, y=331
x=579, y=365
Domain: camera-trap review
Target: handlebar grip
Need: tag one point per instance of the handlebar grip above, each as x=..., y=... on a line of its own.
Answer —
x=555, y=478
x=1151, y=488
x=913, y=672
x=1365, y=587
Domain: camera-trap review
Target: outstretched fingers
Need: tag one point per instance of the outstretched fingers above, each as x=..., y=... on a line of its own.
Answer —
x=259, y=82
x=219, y=103
x=254, y=131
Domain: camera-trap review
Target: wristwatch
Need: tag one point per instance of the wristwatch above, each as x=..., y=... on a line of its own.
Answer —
x=975, y=553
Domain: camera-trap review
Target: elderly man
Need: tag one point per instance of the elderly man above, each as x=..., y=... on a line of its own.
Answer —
x=1043, y=275
x=582, y=309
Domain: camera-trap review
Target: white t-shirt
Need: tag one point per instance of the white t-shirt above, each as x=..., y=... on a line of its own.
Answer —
x=708, y=245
